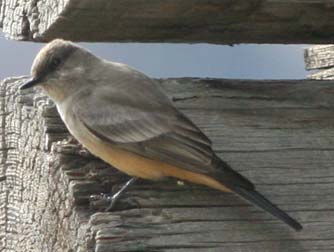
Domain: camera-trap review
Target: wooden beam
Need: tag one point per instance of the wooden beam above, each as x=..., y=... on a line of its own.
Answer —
x=191, y=21
x=320, y=58
x=277, y=133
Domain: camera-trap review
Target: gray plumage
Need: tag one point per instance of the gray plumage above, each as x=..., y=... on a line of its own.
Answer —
x=124, y=108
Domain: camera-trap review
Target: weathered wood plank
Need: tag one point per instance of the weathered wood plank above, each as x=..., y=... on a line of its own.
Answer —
x=280, y=134
x=327, y=74
x=320, y=57
x=191, y=21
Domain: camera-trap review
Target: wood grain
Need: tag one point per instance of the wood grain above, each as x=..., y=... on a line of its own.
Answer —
x=321, y=59
x=191, y=21
x=277, y=133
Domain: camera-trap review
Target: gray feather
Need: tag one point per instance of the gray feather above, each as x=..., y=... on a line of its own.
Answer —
x=138, y=117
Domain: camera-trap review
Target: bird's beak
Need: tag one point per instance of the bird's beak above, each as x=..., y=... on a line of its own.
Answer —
x=30, y=83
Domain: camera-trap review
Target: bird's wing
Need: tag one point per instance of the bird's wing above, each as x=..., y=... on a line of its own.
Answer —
x=135, y=115
x=137, y=121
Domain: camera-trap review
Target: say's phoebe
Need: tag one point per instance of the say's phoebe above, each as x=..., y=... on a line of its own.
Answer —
x=123, y=117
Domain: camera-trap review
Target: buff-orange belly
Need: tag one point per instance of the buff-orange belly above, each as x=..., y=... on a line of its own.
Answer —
x=138, y=166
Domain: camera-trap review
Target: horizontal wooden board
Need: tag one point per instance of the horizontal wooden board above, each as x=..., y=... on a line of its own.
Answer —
x=280, y=134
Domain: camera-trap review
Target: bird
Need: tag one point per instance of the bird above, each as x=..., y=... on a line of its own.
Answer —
x=123, y=117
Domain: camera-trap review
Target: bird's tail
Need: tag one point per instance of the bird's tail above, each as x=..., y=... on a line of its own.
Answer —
x=259, y=200
x=246, y=189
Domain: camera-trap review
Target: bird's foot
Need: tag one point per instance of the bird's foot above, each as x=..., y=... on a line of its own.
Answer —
x=106, y=202
x=103, y=199
x=71, y=140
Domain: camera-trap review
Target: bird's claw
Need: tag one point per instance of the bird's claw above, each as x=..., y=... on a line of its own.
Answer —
x=101, y=196
x=99, y=201
x=108, y=202
x=102, y=199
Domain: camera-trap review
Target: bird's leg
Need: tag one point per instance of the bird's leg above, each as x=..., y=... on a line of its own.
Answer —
x=113, y=199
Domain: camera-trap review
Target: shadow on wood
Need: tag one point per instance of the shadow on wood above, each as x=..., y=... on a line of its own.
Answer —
x=277, y=133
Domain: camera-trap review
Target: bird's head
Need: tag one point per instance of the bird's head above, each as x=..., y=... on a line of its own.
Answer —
x=57, y=67
x=49, y=64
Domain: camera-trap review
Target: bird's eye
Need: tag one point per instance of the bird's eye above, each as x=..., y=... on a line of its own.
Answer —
x=55, y=62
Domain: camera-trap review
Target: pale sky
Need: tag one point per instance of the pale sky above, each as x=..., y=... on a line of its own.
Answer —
x=177, y=60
